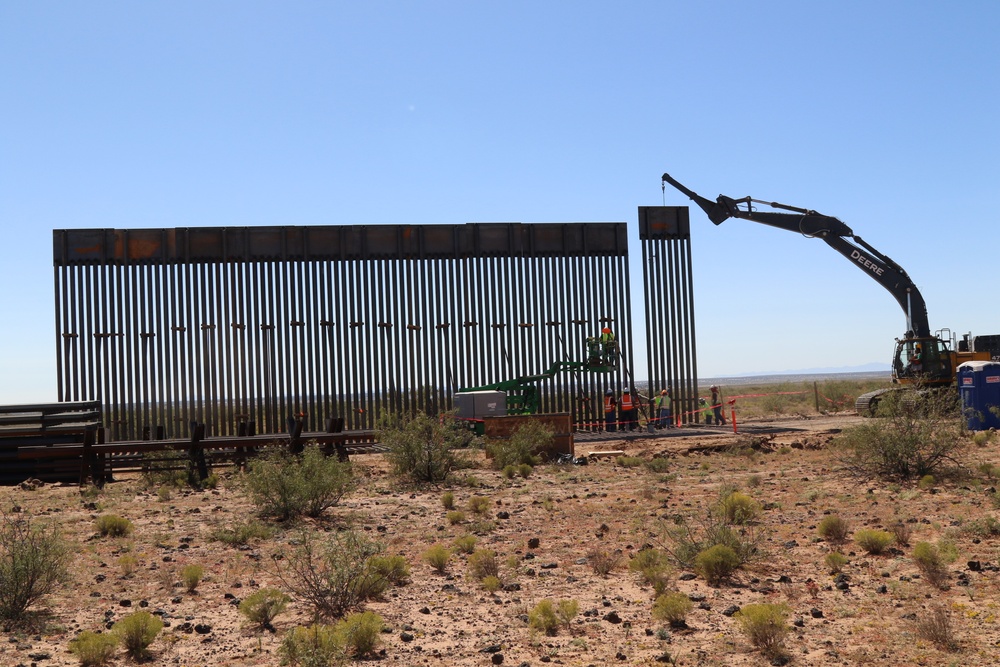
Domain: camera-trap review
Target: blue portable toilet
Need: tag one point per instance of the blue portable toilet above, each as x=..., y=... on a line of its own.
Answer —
x=979, y=387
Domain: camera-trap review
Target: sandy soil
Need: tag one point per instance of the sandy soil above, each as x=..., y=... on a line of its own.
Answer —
x=868, y=616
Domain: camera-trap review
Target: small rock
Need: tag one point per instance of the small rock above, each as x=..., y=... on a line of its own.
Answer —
x=424, y=610
x=621, y=656
x=815, y=613
x=497, y=658
x=202, y=628
x=503, y=515
x=492, y=648
x=406, y=636
x=124, y=603
x=533, y=543
x=730, y=610
x=687, y=576
x=612, y=617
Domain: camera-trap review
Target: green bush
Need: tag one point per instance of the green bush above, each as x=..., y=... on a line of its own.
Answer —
x=525, y=470
x=359, y=633
x=479, y=504
x=567, y=611
x=334, y=574
x=543, y=617
x=448, y=500
x=191, y=576
x=673, y=608
x=629, y=461
x=658, y=465
x=315, y=646
x=93, y=649
x=456, y=517
x=421, y=448
x=483, y=563
x=243, y=533
x=716, y=563
x=833, y=529
x=110, y=525
x=393, y=569
x=136, y=632
x=286, y=486
x=738, y=508
x=764, y=625
x=874, y=542
x=916, y=433
x=262, y=607
x=466, y=544
x=835, y=561
x=683, y=541
x=33, y=562
x=491, y=584
x=931, y=564
x=438, y=557
x=653, y=565
x=509, y=472
x=521, y=447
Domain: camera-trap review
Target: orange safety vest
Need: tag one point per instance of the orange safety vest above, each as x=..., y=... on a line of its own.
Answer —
x=609, y=403
x=627, y=402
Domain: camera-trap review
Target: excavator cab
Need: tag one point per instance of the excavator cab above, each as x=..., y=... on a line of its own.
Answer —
x=924, y=361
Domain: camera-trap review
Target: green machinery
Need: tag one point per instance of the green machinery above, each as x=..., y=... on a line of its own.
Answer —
x=523, y=397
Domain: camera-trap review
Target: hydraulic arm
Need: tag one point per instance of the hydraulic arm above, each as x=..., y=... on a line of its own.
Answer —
x=836, y=234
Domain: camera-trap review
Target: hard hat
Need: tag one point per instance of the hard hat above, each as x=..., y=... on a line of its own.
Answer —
x=664, y=392
x=609, y=393
x=605, y=330
x=714, y=388
x=627, y=392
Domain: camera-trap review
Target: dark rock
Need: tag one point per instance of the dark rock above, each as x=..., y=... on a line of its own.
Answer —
x=424, y=610
x=612, y=617
x=621, y=656
x=730, y=610
x=799, y=623
x=203, y=628
x=125, y=603
x=406, y=636
x=696, y=597
x=533, y=543
x=550, y=566
x=975, y=566
x=503, y=515
x=497, y=658
x=784, y=579
x=492, y=648
x=882, y=589
x=815, y=613
x=687, y=576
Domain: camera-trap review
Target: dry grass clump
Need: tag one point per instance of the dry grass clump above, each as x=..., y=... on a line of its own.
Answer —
x=936, y=627
x=834, y=529
x=765, y=627
x=875, y=542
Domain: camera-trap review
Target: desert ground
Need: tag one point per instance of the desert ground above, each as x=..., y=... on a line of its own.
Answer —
x=871, y=613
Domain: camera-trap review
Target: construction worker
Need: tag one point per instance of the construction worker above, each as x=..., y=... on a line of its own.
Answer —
x=609, y=411
x=706, y=410
x=717, y=406
x=628, y=407
x=608, y=343
x=917, y=360
x=593, y=351
x=662, y=409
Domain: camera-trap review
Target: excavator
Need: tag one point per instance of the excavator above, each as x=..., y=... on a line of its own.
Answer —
x=921, y=358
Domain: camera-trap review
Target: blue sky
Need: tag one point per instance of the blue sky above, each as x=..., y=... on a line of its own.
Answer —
x=183, y=114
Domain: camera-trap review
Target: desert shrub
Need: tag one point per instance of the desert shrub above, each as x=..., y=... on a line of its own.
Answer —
x=448, y=500
x=466, y=544
x=421, y=448
x=673, y=608
x=483, y=563
x=165, y=469
x=93, y=649
x=509, y=472
x=128, y=563
x=901, y=532
x=525, y=470
x=567, y=611
x=136, y=632
x=658, y=464
x=764, y=625
x=716, y=563
x=491, y=584
x=915, y=434
x=931, y=564
x=936, y=627
x=835, y=561
x=455, y=517
x=833, y=529
x=191, y=576
x=521, y=446
x=543, y=617
x=393, y=569
x=33, y=562
x=286, y=486
x=479, y=504
x=242, y=533
x=738, y=508
x=988, y=526
x=438, y=557
x=873, y=541
x=112, y=525
x=263, y=606
x=315, y=646
x=603, y=561
x=653, y=565
x=683, y=541
x=359, y=633
x=334, y=574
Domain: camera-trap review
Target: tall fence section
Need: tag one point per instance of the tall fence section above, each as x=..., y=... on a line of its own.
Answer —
x=665, y=235
x=236, y=327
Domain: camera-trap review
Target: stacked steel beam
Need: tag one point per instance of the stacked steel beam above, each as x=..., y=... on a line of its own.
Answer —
x=246, y=328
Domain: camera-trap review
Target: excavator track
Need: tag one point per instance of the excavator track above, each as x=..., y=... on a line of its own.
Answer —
x=867, y=404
